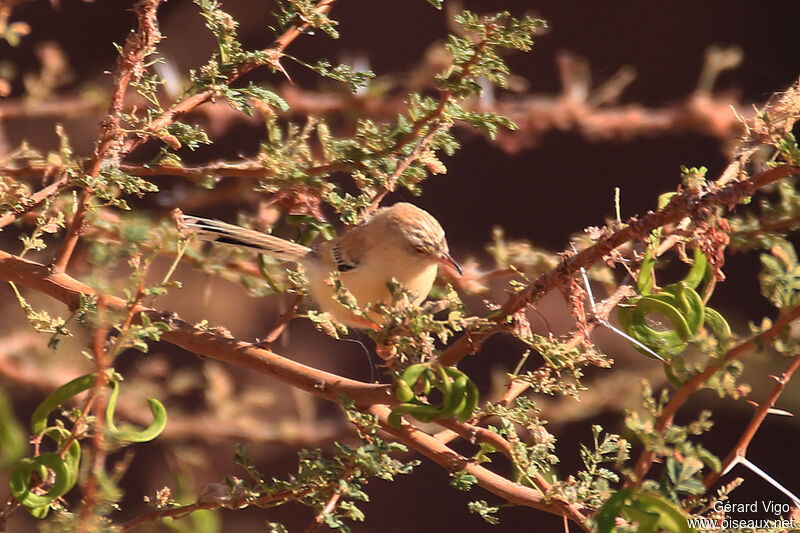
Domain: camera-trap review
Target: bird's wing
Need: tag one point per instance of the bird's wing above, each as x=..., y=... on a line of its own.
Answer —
x=224, y=233
x=343, y=253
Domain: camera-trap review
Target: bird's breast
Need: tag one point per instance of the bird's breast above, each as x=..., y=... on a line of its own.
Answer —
x=368, y=283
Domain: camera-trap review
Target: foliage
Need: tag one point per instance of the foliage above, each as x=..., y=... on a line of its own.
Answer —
x=303, y=171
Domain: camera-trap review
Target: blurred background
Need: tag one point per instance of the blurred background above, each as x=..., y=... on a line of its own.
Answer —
x=544, y=184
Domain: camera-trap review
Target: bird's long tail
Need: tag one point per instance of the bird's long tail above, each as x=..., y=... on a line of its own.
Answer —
x=224, y=233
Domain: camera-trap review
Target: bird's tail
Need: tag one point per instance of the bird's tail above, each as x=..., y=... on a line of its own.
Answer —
x=224, y=233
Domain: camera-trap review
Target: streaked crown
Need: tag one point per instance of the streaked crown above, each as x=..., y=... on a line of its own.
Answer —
x=415, y=225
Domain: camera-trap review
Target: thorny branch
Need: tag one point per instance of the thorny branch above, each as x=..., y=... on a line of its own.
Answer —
x=190, y=103
x=68, y=290
x=435, y=450
x=90, y=487
x=130, y=66
x=110, y=143
x=687, y=203
x=740, y=449
x=682, y=394
x=374, y=399
x=207, y=504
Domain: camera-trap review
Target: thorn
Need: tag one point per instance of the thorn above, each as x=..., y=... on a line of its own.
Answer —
x=730, y=466
x=608, y=325
x=779, y=412
x=275, y=60
x=769, y=479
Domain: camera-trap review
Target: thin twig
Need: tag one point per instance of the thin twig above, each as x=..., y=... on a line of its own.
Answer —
x=740, y=449
x=683, y=204
x=436, y=451
x=275, y=51
x=320, y=518
x=180, y=512
x=682, y=394
x=130, y=66
x=90, y=486
x=282, y=321
x=35, y=200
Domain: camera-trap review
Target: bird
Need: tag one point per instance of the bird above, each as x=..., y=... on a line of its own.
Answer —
x=401, y=242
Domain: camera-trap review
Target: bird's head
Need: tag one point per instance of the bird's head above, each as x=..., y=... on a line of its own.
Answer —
x=416, y=233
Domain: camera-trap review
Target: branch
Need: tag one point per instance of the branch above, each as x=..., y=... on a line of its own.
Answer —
x=130, y=65
x=35, y=200
x=197, y=340
x=99, y=453
x=180, y=426
x=538, y=114
x=690, y=202
x=190, y=103
x=180, y=512
x=740, y=450
x=329, y=507
x=436, y=451
x=681, y=395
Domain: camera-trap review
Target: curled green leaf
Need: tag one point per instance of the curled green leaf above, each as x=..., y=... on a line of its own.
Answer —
x=19, y=480
x=720, y=327
x=457, y=401
x=403, y=391
x=59, y=396
x=651, y=513
x=473, y=397
x=72, y=457
x=645, y=281
x=682, y=307
x=135, y=435
x=698, y=270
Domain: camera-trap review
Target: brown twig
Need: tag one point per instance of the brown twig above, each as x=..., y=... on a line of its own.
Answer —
x=472, y=433
x=320, y=518
x=740, y=449
x=90, y=486
x=130, y=66
x=436, y=451
x=283, y=321
x=682, y=394
x=200, y=341
x=35, y=200
x=687, y=203
x=403, y=164
x=214, y=427
x=515, y=388
x=173, y=512
x=180, y=512
x=433, y=121
x=275, y=51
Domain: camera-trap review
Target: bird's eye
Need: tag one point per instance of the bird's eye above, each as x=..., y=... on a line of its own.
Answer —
x=419, y=250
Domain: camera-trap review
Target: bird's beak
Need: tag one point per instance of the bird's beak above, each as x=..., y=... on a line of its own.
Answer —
x=446, y=259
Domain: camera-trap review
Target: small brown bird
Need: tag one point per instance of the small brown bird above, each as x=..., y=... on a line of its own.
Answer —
x=402, y=242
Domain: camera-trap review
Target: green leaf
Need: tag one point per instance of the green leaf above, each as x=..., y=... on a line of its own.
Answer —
x=12, y=436
x=59, y=396
x=19, y=480
x=485, y=511
x=463, y=480
x=135, y=435
x=651, y=513
x=238, y=98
